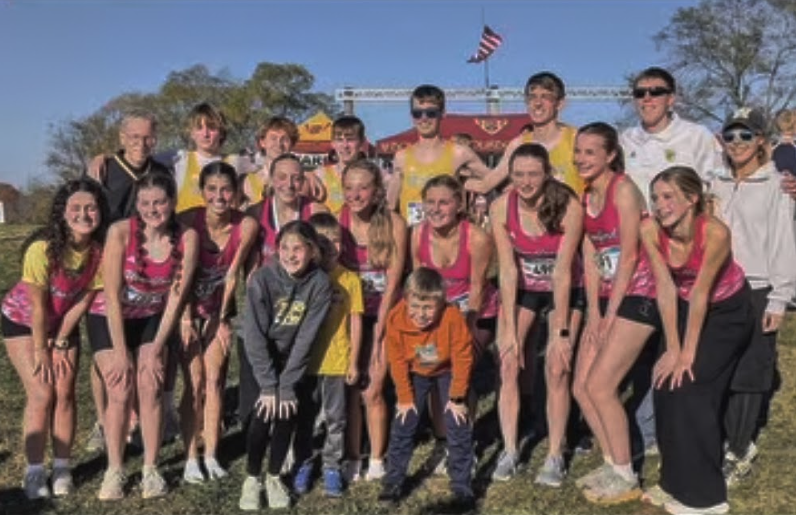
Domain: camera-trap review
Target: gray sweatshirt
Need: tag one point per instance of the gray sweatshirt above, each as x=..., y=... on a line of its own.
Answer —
x=760, y=218
x=283, y=314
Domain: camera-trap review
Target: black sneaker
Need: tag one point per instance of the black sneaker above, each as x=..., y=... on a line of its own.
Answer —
x=390, y=494
x=463, y=502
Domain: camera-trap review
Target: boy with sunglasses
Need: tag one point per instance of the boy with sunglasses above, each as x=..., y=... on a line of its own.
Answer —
x=663, y=139
x=429, y=156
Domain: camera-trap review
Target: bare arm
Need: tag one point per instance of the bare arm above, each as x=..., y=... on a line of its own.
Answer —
x=178, y=294
x=396, y=180
x=113, y=281
x=562, y=271
x=414, y=245
x=481, y=249
x=496, y=175
x=248, y=230
x=464, y=158
x=506, y=265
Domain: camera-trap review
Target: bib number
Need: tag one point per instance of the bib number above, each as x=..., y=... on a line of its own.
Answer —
x=607, y=262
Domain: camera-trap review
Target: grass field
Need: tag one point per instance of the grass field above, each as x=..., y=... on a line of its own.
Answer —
x=770, y=489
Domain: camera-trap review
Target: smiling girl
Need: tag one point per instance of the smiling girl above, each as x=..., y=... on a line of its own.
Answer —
x=286, y=302
x=148, y=265
x=374, y=245
x=39, y=324
x=225, y=238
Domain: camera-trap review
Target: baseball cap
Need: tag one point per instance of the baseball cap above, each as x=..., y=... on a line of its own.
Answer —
x=747, y=117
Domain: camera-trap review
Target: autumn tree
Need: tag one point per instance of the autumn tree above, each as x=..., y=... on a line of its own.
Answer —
x=732, y=53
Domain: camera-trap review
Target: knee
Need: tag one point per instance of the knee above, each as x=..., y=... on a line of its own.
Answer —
x=599, y=389
x=580, y=392
x=119, y=394
x=509, y=371
x=41, y=397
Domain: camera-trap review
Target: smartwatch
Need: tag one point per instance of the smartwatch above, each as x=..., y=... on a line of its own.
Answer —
x=61, y=343
x=563, y=333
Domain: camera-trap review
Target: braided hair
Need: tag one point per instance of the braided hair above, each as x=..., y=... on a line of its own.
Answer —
x=166, y=183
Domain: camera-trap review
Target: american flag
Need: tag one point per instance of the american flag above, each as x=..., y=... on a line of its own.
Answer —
x=490, y=40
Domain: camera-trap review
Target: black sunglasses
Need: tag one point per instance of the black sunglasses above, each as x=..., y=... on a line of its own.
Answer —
x=657, y=91
x=737, y=134
x=431, y=113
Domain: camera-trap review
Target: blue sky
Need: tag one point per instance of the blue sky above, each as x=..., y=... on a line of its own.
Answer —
x=65, y=59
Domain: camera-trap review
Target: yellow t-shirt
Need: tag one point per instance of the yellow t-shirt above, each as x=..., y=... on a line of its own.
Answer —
x=562, y=158
x=332, y=348
x=187, y=170
x=334, y=188
x=256, y=186
x=415, y=176
x=36, y=266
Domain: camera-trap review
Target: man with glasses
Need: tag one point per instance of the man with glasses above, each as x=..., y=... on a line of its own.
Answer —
x=545, y=99
x=429, y=156
x=663, y=139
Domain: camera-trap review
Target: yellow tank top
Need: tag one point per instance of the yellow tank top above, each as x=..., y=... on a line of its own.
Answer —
x=256, y=186
x=562, y=158
x=334, y=188
x=415, y=176
x=189, y=194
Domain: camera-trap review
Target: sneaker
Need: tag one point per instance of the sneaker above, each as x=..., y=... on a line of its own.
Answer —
x=193, y=473
x=614, y=489
x=62, y=482
x=728, y=469
x=152, y=484
x=463, y=502
x=506, y=467
x=594, y=477
x=332, y=483
x=352, y=471
x=96, y=439
x=214, y=469
x=744, y=466
x=35, y=484
x=656, y=496
x=250, y=498
x=376, y=470
x=390, y=494
x=302, y=482
x=276, y=491
x=677, y=508
x=552, y=472
x=112, y=488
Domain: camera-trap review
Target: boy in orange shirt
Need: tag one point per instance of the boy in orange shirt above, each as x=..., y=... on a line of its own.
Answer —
x=429, y=346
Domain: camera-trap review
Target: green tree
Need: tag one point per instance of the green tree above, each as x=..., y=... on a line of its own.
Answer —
x=732, y=53
x=284, y=89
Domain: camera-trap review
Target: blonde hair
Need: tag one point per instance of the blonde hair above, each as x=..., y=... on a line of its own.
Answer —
x=786, y=121
x=425, y=284
x=381, y=244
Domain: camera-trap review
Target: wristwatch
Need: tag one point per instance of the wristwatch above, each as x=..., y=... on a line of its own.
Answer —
x=61, y=343
x=563, y=333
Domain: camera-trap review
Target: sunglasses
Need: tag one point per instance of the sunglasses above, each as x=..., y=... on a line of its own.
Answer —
x=744, y=135
x=431, y=113
x=657, y=91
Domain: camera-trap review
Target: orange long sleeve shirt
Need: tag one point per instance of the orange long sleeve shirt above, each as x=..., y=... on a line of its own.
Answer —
x=446, y=346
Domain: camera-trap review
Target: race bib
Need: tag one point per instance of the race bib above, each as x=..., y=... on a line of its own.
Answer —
x=414, y=213
x=462, y=301
x=607, y=261
x=536, y=269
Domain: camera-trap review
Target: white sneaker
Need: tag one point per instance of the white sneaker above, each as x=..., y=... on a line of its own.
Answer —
x=276, y=492
x=152, y=484
x=250, y=498
x=62, y=482
x=376, y=470
x=35, y=484
x=112, y=488
x=193, y=473
x=214, y=470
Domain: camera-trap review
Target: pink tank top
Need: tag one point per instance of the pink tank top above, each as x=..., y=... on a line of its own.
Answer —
x=730, y=278
x=64, y=289
x=457, y=275
x=355, y=257
x=214, y=263
x=535, y=256
x=268, y=224
x=603, y=232
x=144, y=293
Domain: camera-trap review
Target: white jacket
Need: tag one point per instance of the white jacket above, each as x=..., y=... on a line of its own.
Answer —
x=760, y=217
